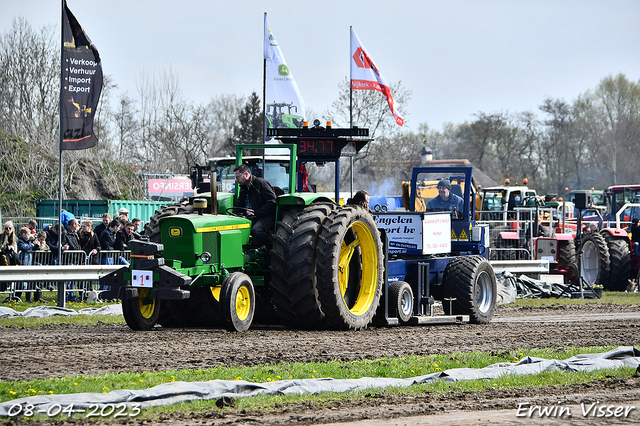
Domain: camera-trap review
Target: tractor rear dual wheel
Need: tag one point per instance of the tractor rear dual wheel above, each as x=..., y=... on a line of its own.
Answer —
x=619, y=263
x=566, y=253
x=350, y=268
x=293, y=266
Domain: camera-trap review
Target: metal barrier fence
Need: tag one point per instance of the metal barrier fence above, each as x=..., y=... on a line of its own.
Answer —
x=43, y=222
x=33, y=289
x=511, y=232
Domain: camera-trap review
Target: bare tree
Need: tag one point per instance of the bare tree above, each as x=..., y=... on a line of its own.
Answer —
x=29, y=83
x=617, y=102
x=223, y=113
x=174, y=132
x=126, y=128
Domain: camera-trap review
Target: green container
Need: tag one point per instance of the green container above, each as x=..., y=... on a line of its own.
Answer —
x=96, y=208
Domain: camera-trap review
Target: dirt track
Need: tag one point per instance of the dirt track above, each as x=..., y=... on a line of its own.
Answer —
x=64, y=350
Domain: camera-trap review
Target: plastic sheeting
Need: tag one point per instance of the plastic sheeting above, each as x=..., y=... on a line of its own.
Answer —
x=174, y=392
x=47, y=311
x=529, y=288
x=511, y=288
x=507, y=293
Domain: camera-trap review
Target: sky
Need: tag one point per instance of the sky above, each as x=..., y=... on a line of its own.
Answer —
x=458, y=57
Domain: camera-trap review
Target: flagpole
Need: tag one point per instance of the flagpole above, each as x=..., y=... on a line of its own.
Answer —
x=350, y=89
x=350, y=108
x=264, y=94
x=61, y=285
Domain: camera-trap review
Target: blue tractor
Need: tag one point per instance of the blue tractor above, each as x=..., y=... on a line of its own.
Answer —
x=437, y=256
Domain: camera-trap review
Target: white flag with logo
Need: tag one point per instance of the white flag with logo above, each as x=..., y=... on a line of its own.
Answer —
x=365, y=75
x=284, y=105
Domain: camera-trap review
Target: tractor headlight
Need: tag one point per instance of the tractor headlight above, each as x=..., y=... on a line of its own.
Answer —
x=205, y=257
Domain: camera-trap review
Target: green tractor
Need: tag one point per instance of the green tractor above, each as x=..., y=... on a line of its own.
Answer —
x=282, y=115
x=197, y=269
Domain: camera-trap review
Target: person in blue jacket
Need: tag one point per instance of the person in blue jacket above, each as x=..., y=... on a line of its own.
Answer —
x=25, y=248
x=446, y=200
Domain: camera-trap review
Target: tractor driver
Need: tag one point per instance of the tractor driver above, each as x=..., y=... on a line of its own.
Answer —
x=446, y=200
x=259, y=199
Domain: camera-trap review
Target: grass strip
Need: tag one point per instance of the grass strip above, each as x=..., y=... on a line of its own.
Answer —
x=403, y=367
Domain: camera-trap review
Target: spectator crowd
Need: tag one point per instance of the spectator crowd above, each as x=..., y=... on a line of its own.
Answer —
x=18, y=247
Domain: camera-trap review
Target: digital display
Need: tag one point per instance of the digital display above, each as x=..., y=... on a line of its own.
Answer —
x=320, y=142
x=319, y=148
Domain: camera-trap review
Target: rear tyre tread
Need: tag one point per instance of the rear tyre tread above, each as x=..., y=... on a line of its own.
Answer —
x=620, y=264
x=566, y=253
x=293, y=267
x=596, y=242
x=461, y=281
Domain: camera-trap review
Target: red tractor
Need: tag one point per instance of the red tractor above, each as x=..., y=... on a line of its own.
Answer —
x=607, y=255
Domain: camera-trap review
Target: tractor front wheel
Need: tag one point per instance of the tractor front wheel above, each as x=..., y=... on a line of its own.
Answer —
x=141, y=312
x=350, y=268
x=470, y=280
x=237, y=302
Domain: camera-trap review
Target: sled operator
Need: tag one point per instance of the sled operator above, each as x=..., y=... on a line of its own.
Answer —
x=446, y=200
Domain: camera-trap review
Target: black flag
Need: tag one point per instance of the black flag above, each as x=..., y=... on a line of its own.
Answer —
x=81, y=84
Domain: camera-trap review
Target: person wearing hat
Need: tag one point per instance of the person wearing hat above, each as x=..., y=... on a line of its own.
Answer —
x=123, y=215
x=446, y=200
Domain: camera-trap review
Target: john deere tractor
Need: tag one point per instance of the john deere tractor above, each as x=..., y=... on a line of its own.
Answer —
x=282, y=115
x=329, y=265
x=198, y=268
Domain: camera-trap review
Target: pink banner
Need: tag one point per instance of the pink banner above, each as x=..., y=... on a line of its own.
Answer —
x=175, y=187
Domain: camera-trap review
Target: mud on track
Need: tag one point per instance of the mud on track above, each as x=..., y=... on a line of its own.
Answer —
x=67, y=350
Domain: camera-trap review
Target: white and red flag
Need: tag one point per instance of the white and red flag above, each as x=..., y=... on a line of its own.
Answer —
x=365, y=75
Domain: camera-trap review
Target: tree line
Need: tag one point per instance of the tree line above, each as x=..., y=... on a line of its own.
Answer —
x=583, y=143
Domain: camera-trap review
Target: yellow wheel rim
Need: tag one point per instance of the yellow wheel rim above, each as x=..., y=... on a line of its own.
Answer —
x=369, y=267
x=216, y=292
x=146, y=310
x=243, y=303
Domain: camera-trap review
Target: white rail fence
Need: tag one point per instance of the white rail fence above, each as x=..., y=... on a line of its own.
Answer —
x=43, y=273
